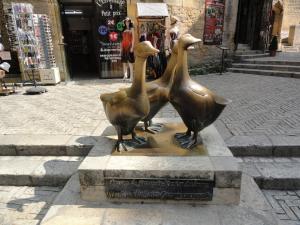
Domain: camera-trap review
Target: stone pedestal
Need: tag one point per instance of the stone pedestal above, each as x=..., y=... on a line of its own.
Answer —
x=210, y=178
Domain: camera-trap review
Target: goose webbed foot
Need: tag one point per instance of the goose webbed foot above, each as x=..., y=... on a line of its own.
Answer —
x=139, y=140
x=183, y=136
x=120, y=146
x=189, y=142
x=153, y=128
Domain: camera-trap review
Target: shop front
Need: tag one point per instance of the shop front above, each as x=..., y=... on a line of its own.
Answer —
x=93, y=34
x=87, y=42
x=151, y=26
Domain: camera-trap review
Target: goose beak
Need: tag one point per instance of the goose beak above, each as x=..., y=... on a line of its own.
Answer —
x=145, y=49
x=193, y=41
x=152, y=51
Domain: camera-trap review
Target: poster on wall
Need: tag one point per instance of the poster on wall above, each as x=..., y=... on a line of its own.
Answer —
x=214, y=22
x=110, y=16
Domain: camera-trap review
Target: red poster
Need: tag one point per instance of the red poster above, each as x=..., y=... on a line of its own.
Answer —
x=214, y=21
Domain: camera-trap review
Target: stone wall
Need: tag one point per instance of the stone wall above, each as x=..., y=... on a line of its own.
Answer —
x=192, y=15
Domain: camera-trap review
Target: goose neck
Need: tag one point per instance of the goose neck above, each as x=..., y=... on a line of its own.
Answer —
x=170, y=70
x=181, y=74
x=138, y=84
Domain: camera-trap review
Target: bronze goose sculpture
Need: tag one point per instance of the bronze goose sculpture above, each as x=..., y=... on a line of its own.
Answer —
x=158, y=91
x=125, y=108
x=197, y=106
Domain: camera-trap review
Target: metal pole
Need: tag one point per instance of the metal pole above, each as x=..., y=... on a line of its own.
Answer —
x=222, y=62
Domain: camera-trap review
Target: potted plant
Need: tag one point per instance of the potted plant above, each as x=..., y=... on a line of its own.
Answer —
x=273, y=46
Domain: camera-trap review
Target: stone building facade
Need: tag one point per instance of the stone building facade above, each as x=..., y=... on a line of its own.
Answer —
x=291, y=14
x=191, y=14
x=287, y=13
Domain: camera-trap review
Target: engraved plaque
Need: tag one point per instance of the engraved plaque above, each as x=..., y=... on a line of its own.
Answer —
x=176, y=189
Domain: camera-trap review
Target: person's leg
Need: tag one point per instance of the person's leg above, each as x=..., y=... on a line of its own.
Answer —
x=125, y=71
x=131, y=71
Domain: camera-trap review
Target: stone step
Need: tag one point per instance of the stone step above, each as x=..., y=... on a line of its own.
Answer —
x=274, y=173
x=291, y=48
x=267, y=67
x=272, y=62
x=266, y=72
x=242, y=57
x=247, y=52
x=45, y=145
x=36, y=170
x=262, y=146
x=243, y=47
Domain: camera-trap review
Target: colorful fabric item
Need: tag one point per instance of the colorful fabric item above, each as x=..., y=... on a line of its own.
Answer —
x=127, y=56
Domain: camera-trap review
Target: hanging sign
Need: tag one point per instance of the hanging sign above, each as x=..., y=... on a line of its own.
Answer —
x=214, y=22
x=111, y=14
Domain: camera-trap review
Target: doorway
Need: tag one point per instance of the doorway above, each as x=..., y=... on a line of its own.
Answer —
x=78, y=22
x=253, y=23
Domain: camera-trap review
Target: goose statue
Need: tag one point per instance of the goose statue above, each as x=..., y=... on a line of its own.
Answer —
x=197, y=106
x=158, y=92
x=125, y=108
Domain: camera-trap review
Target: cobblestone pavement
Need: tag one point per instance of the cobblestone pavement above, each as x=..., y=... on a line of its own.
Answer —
x=262, y=105
x=25, y=205
x=286, y=205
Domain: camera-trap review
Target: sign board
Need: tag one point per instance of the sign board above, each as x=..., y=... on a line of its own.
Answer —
x=110, y=16
x=5, y=55
x=151, y=188
x=152, y=10
x=214, y=22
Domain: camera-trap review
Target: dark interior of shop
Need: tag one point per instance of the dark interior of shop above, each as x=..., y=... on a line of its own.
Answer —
x=78, y=21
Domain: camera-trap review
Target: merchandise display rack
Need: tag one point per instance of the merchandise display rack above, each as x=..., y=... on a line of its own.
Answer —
x=30, y=35
x=43, y=35
x=28, y=46
x=25, y=33
x=12, y=33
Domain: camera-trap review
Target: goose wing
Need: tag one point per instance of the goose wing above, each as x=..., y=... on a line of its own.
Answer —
x=153, y=91
x=199, y=90
x=114, y=98
x=204, y=92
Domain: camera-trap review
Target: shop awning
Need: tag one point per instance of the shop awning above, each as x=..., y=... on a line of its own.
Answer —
x=152, y=10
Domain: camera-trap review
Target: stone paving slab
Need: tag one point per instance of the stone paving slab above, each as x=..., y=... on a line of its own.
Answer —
x=25, y=205
x=36, y=170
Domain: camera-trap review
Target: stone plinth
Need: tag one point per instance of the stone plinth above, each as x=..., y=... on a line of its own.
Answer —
x=211, y=178
x=294, y=35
